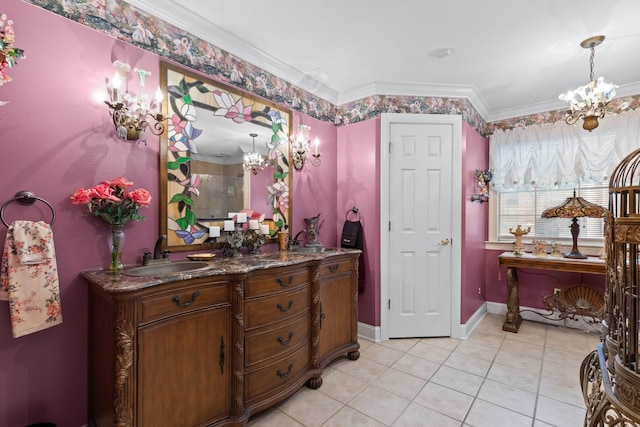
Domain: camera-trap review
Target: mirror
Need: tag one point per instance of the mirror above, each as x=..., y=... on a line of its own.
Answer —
x=210, y=128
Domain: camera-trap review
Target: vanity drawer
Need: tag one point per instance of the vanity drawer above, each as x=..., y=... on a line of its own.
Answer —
x=183, y=300
x=277, y=375
x=274, y=342
x=276, y=280
x=335, y=266
x=267, y=310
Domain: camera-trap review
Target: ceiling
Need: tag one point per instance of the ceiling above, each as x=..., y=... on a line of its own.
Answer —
x=510, y=58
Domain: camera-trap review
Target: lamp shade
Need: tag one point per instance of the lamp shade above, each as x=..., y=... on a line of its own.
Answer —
x=575, y=207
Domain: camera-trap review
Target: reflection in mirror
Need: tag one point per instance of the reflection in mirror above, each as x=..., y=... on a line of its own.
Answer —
x=202, y=179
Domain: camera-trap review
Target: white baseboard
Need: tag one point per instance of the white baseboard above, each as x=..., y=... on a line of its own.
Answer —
x=369, y=332
x=462, y=331
x=534, y=315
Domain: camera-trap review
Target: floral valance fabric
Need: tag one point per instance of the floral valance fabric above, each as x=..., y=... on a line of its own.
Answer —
x=561, y=156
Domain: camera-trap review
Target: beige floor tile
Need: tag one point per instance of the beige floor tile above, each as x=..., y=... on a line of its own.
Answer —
x=463, y=382
x=364, y=369
x=310, y=408
x=490, y=339
x=379, y=404
x=352, y=418
x=419, y=416
x=509, y=397
x=562, y=371
x=400, y=383
x=465, y=363
x=475, y=350
x=446, y=343
x=365, y=343
x=560, y=389
x=527, y=338
x=382, y=354
x=558, y=413
x=538, y=423
x=429, y=352
x=444, y=400
x=519, y=361
x=341, y=386
x=485, y=414
x=272, y=418
x=416, y=366
x=402, y=345
x=564, y=357
x=522, y=347
x=514, y=377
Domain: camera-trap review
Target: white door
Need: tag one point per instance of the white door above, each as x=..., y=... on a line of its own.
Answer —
x=420, y=196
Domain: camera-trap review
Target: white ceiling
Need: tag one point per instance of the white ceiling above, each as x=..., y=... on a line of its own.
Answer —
x=511, y=57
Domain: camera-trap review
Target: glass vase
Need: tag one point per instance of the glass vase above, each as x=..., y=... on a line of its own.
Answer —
x=116, y=242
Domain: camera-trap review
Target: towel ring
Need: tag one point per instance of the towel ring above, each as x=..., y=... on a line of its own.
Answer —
x=354, y=211
x=26, y=198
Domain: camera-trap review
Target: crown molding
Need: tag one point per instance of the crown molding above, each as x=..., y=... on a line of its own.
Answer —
x=418, y=89
x=553, y=105
x=171, y=12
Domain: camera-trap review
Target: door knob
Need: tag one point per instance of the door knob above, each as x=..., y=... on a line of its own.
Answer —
x=444, y=242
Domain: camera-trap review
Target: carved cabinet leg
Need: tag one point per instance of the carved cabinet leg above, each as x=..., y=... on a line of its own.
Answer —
x=513, y=319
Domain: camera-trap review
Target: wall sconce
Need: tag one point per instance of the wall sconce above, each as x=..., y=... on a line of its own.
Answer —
x=130, y=112
x=300, y=147
x=483, y=177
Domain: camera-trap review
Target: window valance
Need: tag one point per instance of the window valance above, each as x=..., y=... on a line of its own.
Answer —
x=560, y=156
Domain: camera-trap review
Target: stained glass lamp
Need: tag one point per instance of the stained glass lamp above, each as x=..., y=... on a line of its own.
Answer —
x=574, y=208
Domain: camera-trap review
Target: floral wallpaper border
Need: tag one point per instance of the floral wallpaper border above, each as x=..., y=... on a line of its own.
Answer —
x=125, y=22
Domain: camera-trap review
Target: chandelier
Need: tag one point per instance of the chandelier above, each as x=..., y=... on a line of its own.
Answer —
x=130, y=112
x=588, y=102
x=254, y=161
x=300, y=147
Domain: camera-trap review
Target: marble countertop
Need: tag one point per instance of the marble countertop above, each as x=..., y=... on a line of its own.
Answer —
x=121, y=282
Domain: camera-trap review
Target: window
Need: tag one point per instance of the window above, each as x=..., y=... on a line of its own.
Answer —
x=538, y=167
x=525, y=208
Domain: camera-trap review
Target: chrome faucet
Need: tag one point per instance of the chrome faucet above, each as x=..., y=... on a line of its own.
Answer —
x=157, y=251
x=295, y=241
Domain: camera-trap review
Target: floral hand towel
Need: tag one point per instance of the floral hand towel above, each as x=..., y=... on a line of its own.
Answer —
x=29, y=277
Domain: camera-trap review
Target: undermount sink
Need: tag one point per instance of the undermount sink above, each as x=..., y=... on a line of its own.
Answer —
x=169, y=268
x=308, y=249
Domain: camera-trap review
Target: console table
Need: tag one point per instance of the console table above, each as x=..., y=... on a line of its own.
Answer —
x=591, y=265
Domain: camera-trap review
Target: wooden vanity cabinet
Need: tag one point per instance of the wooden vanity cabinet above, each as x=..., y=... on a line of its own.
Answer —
x=338, y=309
x=212, y=351
x=161, y=356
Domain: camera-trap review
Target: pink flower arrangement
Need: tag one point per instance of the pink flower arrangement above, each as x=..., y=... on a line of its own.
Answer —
x=112, y=202
x=9, y=54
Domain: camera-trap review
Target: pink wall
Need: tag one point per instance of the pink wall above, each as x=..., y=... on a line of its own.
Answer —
x=314, y=187
x=57, y=138
x=359, y=185
x=475, y=220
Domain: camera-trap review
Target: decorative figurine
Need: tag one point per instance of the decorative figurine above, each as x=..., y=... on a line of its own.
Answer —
x=555, y=249
x=483, y=177
x=539, y=248
x=519, y=246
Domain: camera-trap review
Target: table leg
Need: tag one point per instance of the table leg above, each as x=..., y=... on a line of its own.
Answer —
x=513, y=320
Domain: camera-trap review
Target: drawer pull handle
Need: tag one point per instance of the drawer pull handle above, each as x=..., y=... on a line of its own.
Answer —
x=334, y=267
x=285, y=309
x=284, y=374
x=176, y=299
x=282, y=282
x=283, y=342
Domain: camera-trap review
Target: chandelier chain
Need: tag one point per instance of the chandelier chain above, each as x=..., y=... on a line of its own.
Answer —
x=591, y=58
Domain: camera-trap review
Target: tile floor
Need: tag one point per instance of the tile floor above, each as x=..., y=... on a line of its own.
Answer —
x=491, y=379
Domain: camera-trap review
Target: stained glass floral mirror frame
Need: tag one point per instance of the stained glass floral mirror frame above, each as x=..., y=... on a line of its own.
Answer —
x=184, y=90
